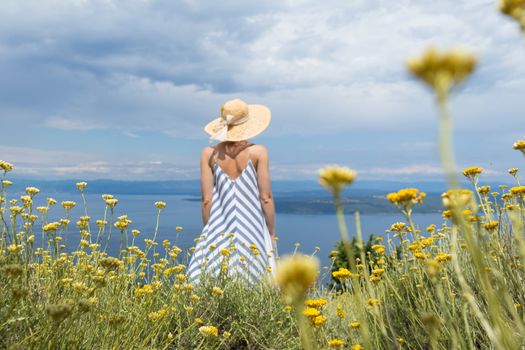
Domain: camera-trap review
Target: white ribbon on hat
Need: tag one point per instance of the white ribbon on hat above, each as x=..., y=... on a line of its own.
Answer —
x=224, y=124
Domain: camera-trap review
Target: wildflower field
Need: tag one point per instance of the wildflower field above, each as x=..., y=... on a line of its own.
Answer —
x=456, y=284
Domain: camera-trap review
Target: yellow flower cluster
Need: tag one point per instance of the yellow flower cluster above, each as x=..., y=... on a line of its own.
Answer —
x=68, y=205
x=81, y=186
x=335, y=177
x=373, y=302
x=217, y=292
x=5, y=166
x=295, y=274
x=209, y=331
x=519, y=145
x=472, y=172
x=514, y=9
x=158, y=315
x=315, y=303
x=406, y=197
x=123, y=222
x=32, y=191
x=491, y=226
x=517, y=191
x=147, y=289
x=51, y=227
x=110, y=200
x=457, y=198
x=311, y=312
x=342, y=274
x=160, y=205
x=336, y=343
x=379, y=249
x=442, y=70
x=443, y=257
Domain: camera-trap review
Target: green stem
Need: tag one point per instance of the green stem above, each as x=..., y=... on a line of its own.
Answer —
x=446, y=150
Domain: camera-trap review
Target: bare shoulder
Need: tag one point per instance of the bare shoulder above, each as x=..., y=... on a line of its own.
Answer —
x=259, y=154
x=259, y=151
x=206, y=152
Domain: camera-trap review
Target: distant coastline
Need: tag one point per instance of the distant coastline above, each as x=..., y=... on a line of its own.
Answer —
x=291, y=197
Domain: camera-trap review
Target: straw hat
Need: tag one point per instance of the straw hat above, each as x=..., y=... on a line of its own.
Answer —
x=239, y=121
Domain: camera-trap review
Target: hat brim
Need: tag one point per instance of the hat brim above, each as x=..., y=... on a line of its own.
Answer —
x=258, y=121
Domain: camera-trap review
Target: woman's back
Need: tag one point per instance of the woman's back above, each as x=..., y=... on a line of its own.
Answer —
x=235, y=236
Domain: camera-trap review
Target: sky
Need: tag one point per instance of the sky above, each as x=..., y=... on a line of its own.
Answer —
x=106, y=89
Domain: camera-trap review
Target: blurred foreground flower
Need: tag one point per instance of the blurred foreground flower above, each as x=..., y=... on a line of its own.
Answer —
x=519, y=146
x=295, y=275
x=458, y=199
x=335, y=178
x=442, y=70
x=514, y=9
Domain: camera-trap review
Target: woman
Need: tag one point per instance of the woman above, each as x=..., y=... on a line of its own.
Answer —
x=238, y=237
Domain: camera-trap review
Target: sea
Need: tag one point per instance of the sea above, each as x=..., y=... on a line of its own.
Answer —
x=302, y=233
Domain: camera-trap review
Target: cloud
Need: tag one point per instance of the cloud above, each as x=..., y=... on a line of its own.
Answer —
x=156, y=68
x=70, y=124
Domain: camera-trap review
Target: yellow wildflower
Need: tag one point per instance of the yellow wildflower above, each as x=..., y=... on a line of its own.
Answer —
x=316, y=303
x=442, y=70
x=209, y=331
x=491, y=226
x=472, y=172
x=335, y=178
x=217, y=292
x=81, y=186
x=373, y=301
x=51, y=227
x=5, y=166
x=519, y=145
x=296, y=274
x=160, y=205
x=68, y=204
x=32, y=191
x=379, y=249
x=15, y=248
x=456, y=198
x=340, y=312
x=111, y=202
x=442, y=257
x=318, y=320
x=406, y=197
x=336, y=343
x=341, y=274
x=157, y=315
x=311, y=312
x=518, y=190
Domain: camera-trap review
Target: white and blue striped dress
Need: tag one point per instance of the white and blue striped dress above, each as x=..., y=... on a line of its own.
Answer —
x=236, y=224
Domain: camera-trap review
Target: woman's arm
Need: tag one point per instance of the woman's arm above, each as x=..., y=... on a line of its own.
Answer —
x=206, y=184
x=263, y=179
